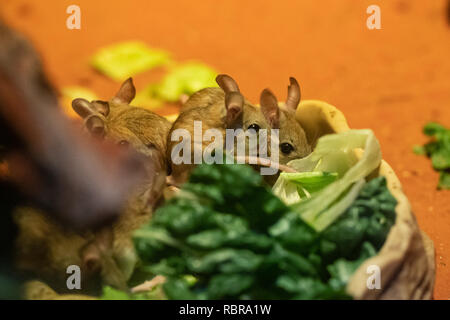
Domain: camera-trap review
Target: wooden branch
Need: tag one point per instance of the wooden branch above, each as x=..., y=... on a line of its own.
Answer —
x=80, y=181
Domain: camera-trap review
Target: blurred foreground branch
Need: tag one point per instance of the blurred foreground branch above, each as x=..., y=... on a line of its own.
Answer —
x=77, y=180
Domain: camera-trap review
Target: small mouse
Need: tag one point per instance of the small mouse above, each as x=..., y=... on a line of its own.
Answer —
x=116, y=118
x=292, y=138
x=106, y=256
x=217, y=108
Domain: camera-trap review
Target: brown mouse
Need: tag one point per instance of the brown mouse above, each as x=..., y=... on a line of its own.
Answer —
x=217, y=108
x=106, y=256
x=116, y=118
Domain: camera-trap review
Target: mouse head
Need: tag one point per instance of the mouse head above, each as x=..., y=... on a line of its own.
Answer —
x=97, y=114
x=116, y=121
x=240, y=112
x=292, y=138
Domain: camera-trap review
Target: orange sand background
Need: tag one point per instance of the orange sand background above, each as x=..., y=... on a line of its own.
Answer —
x=392, y=80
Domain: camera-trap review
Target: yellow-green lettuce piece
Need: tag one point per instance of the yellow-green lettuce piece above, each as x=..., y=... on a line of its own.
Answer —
x=147, y=98
x=186, y=78
x=74, y=92
x=126, y=59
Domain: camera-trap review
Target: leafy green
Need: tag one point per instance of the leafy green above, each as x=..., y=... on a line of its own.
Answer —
x=293, y=187
x=147, y=97
x=333, y=153
x=438, y=149
x=126, y=59
x=110, y=293
x=231, y=234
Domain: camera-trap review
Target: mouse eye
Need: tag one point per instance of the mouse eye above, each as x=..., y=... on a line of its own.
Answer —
x=123, y=143
x=286, y=148
x=254, y=126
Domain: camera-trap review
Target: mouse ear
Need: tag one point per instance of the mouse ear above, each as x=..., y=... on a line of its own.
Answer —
x=227, y=83
x=126, y=93
x=101, y=107
x=234, y=102
x=95, y=125
x=83, y=107
x=293, y=96
x=270, y=109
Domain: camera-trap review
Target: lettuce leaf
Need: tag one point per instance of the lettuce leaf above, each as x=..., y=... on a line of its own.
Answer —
x=333, y=153
x=293, y=187
x=126, y=59
x=185, y=78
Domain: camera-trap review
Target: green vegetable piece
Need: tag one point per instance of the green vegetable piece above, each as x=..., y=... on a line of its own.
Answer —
x=226, y=260
x=237, y=240
x=311, y=181
x=186, y=78
x=254, y=241
x=290, y=262
x=147, y=97
x=172, y=266
x=321, y=210
x=438, y=149
x=342, y=270
x=419, y=150
x=209, y=239
x=178, y=289
x=126, y=59
x=110, y=293
x=444, y=180
x=229, y=285
x=433, y=128
x=308, y=288
x=441, y=159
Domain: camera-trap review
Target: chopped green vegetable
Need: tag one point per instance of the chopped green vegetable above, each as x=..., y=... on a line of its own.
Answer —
x=126, y=59
x=110, y=293
x=438, y=149
x=311, y=181
x=293, y=187
x=185, y=78
x=239, y=241
x=147, y=97
x=333, y=153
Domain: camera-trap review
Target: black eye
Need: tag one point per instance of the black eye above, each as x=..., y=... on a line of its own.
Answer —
x=286, y=148
x=124, y=143
x=254, y=126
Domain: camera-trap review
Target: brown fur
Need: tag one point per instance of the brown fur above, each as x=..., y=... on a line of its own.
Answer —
x=46, y=249
x=208, y=106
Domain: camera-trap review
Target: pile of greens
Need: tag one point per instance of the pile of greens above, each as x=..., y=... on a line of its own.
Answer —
x=438, y=149
x=227, y=236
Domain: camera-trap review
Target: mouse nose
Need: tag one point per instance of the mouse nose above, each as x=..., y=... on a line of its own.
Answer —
x=90, y=258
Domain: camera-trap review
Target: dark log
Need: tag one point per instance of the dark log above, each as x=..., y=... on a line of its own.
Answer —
x=79, y=181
